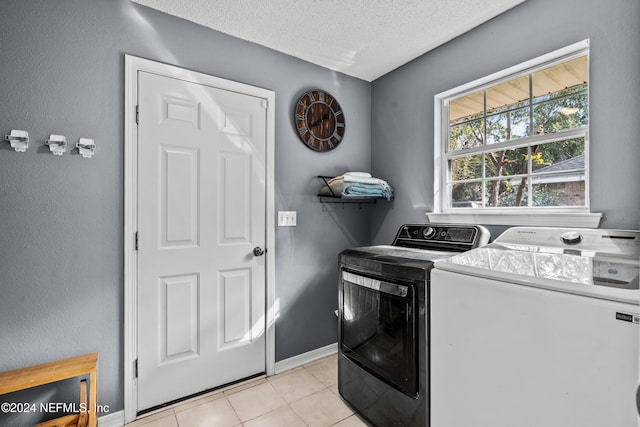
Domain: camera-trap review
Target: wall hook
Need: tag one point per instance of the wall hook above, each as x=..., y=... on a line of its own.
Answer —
x=19, y=140
x=57, y=144
x=87, y=147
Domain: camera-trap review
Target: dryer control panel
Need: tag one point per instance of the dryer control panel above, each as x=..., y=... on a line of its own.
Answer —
x=438, y=236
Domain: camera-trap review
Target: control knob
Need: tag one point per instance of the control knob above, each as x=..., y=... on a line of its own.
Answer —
x=571, y=237
x=429, y=232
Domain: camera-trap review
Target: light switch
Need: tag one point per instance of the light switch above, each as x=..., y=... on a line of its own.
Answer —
x=287, y=218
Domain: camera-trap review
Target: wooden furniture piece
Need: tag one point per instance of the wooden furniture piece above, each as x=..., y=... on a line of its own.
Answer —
x=20, y=379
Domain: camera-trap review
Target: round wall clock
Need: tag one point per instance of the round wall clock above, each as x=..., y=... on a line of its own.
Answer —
x=319, y=120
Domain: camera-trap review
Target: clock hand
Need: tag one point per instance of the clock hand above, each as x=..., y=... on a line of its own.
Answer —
x=322, y=119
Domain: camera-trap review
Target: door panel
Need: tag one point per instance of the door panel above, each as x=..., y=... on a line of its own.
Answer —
x=180, y=112
x=179, y=330
x=235, y=182
x=235, y=310
x=201, y=211
x=179, y=191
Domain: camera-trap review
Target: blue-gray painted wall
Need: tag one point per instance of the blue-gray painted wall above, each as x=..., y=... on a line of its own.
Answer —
x=402, y=109
x=61, y=219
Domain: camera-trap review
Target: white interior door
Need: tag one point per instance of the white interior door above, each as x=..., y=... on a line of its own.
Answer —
x=201, y=212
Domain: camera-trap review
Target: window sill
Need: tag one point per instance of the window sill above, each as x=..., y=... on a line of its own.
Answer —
x=524, y=218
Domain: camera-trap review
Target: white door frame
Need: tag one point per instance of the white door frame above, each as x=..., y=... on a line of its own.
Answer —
x=132, y=66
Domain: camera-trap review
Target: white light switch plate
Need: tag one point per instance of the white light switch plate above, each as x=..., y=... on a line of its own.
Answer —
x=287, y=218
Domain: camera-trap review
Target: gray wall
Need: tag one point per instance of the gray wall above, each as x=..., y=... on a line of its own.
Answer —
x=402, y=112
x=61, y=218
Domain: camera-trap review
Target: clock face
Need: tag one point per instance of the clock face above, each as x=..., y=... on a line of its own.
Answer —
x=319, y=120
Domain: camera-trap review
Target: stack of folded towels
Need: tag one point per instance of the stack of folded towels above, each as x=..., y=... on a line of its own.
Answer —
x=360, y=184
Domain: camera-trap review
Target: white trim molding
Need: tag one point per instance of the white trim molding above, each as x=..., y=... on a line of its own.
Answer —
x=112, y=420
x=304, y=358
x=132, y=66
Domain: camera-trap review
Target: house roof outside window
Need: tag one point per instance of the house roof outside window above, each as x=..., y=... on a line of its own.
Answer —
x=574, y=168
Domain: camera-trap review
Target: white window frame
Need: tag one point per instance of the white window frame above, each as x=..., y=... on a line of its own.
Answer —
x=552, y=216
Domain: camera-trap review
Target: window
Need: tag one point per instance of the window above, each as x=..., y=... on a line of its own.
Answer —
x=517, y=141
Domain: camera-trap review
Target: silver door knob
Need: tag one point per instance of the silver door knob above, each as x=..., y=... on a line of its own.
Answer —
x=258, y=251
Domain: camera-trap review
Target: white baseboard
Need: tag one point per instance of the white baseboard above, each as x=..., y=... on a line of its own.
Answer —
x=112, y=420
x=304, y=358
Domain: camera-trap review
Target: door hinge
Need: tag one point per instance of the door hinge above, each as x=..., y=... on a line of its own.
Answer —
x=137, y=114
x=265, y=104
x=135, y=368
x=137, y=239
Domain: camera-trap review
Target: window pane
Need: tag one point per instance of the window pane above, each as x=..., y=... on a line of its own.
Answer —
x=466, y=195
x=497, y=128
x=466, y=107
x=560, y=114
x=466, y=135
x=508, y=95
x=507, y=193
x=552, y=81
x=559, y=190
x=506, y=162
x=469, y=167
x=511, y=124
x=561, y=98
x=558, y=156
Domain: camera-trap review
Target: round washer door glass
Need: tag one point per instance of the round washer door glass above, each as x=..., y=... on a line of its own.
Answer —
x=319, y=120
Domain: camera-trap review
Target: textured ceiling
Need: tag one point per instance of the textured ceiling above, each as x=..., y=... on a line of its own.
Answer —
x=361, y=38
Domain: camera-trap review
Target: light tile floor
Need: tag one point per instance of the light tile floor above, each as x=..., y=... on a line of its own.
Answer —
x=304, y=396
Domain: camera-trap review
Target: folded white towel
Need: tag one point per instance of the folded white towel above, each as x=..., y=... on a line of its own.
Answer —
x=365, y=180
x=358, y=174
x=351, y=175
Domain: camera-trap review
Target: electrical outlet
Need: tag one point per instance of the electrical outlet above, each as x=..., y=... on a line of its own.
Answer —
x=287, y=218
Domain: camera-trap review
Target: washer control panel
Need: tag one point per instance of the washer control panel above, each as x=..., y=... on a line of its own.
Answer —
x=624, y=243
